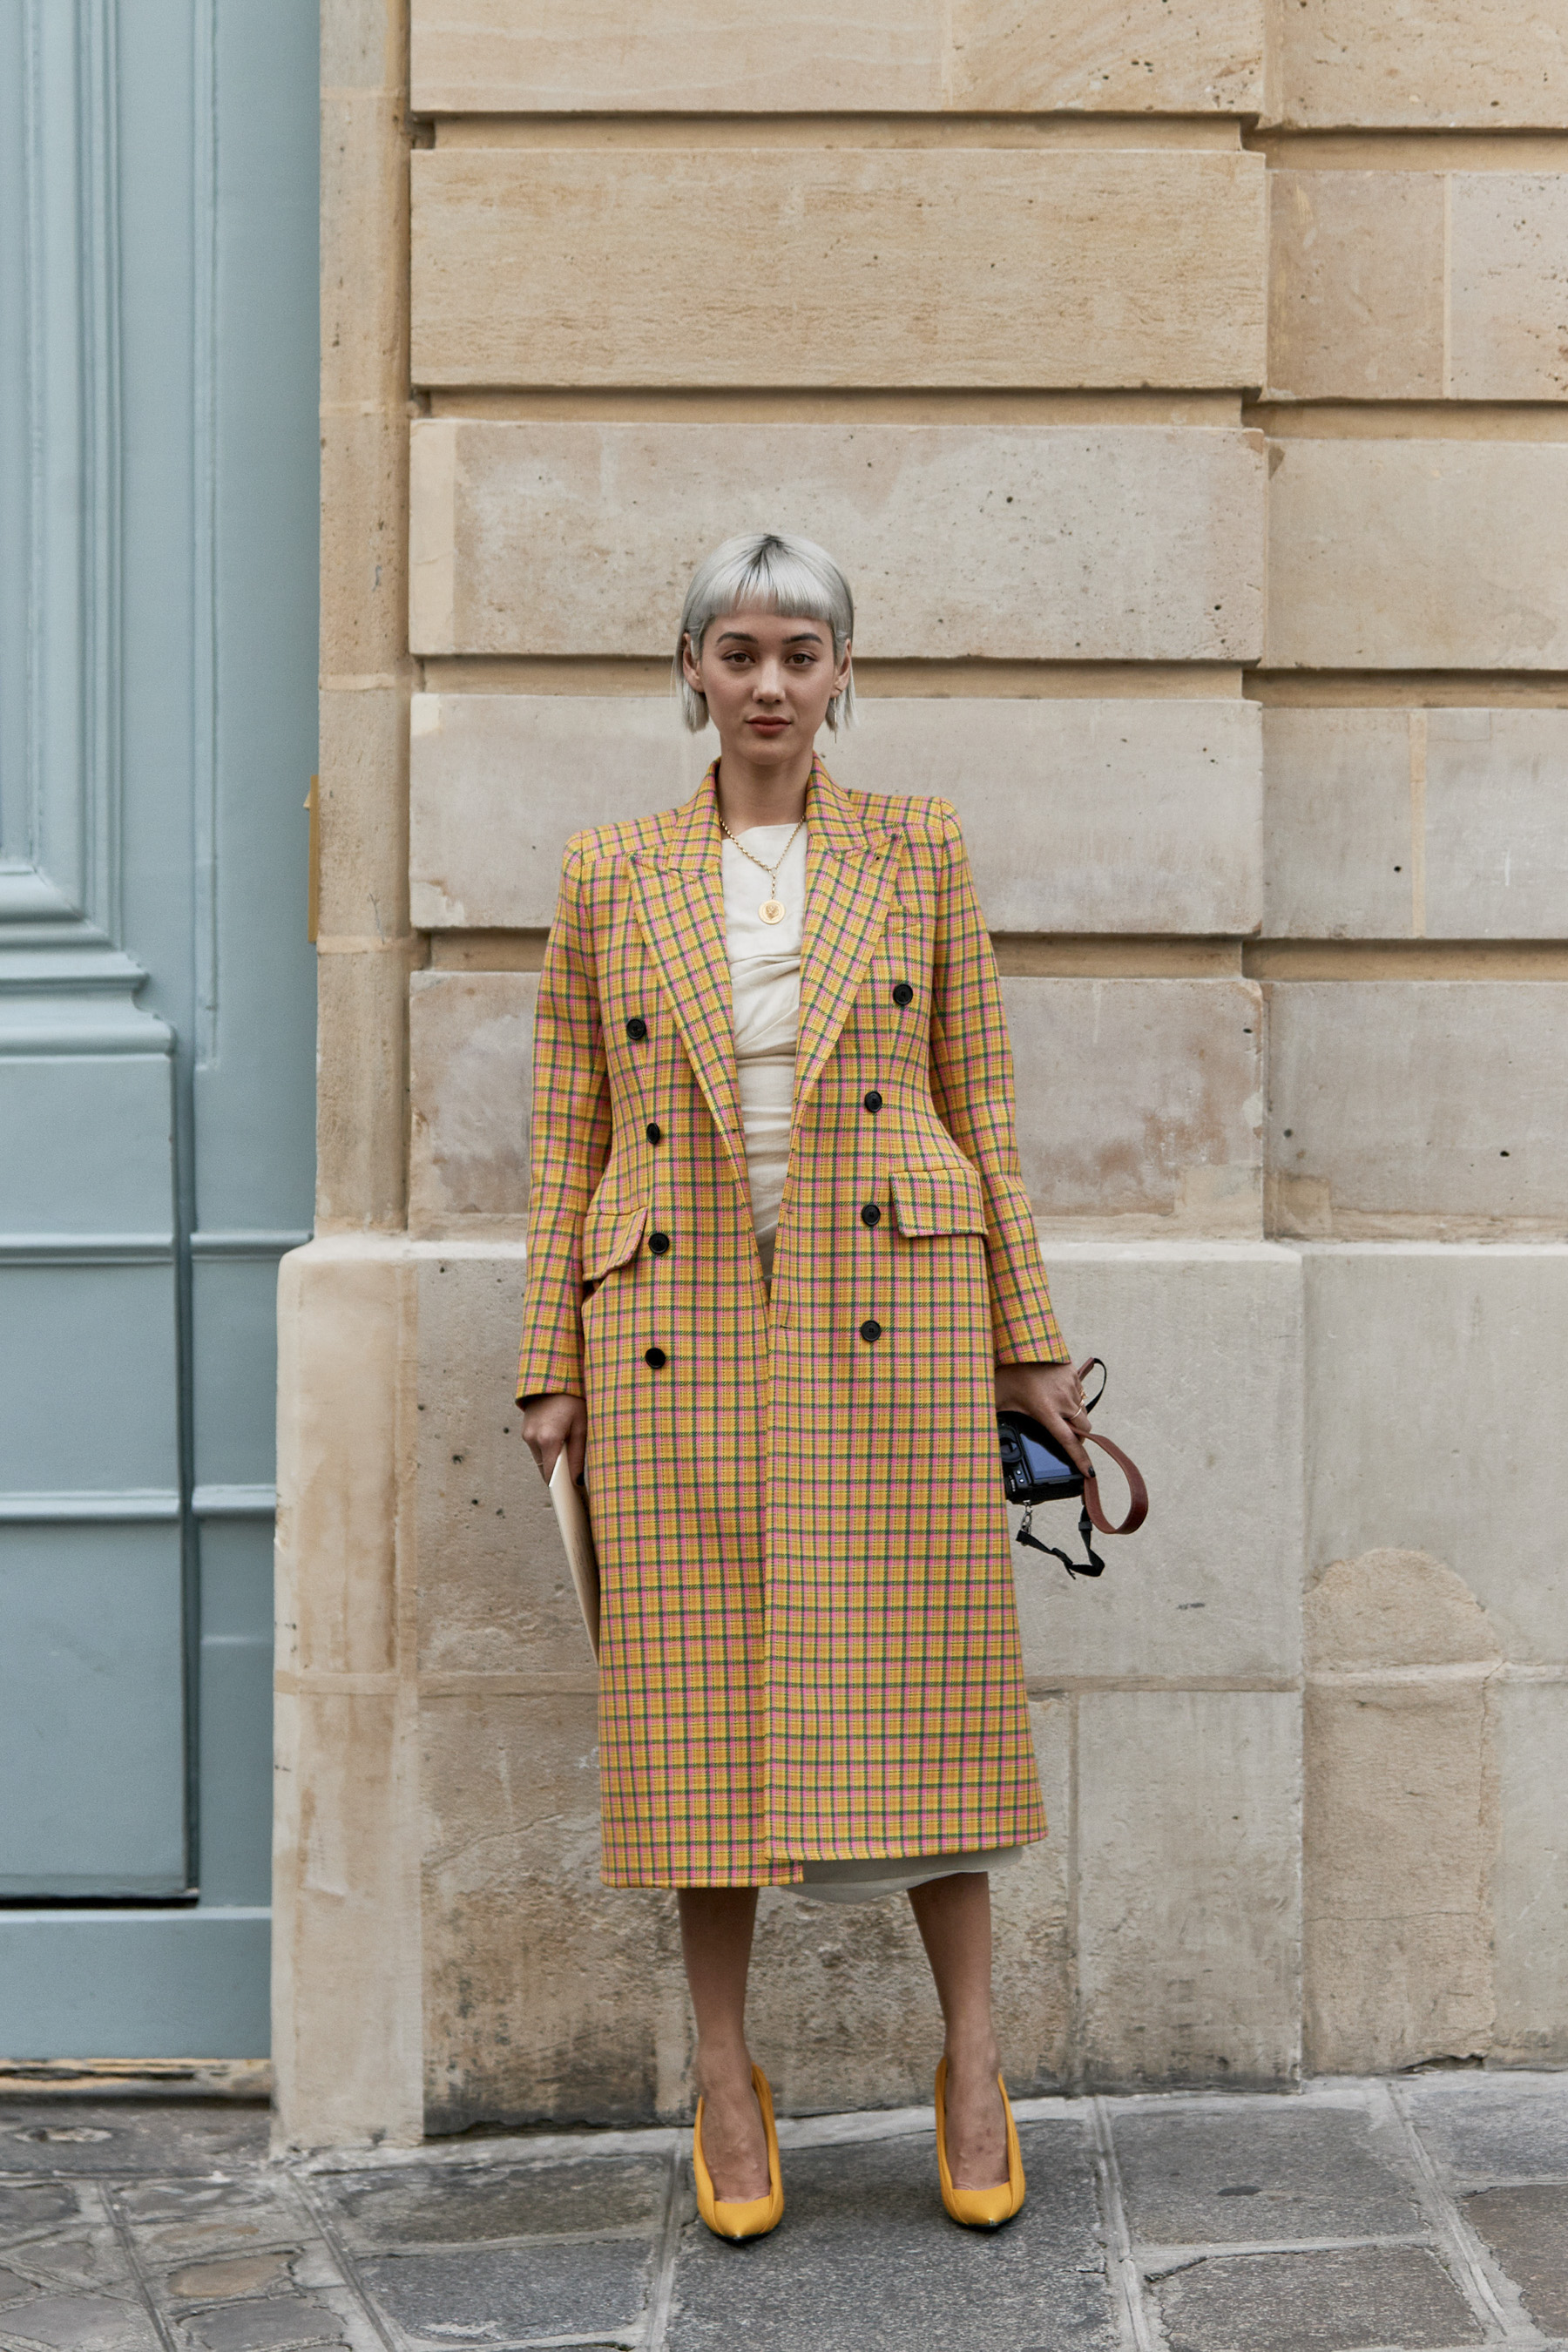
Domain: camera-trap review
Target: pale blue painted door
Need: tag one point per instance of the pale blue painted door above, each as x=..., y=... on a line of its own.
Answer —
x=158, y=534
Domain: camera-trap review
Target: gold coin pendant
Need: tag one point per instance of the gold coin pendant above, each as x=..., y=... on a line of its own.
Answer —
x=771, y=911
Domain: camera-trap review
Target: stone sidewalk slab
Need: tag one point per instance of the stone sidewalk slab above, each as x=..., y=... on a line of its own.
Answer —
x=1355, y=2216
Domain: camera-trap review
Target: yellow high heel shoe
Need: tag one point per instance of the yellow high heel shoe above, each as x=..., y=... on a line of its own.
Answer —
x=734, y=2217
x=979, y=2208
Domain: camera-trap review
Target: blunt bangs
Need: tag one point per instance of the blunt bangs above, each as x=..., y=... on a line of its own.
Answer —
x=766, y=571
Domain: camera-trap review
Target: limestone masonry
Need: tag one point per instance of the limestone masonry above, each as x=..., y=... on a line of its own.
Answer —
x=1183, y=387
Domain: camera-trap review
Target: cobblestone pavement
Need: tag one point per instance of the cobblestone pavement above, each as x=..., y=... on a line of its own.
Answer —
x=1429, y=2211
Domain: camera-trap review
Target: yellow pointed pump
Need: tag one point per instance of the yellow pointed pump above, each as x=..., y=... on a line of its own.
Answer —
x=979, y=2208
x=737, y=2218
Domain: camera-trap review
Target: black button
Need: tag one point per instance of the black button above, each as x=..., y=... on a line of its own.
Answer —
x=654, y=1357
x=871, y=1330
x=873, y=1100
x=870, y=1214
x=655, y=1132
x=903, y=993
x=658, y=1243
x=636, y=1028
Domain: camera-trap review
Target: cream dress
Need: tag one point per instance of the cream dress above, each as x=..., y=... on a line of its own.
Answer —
x=764, y=988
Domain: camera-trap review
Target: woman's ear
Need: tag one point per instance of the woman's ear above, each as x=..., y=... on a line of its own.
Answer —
x=689, y=669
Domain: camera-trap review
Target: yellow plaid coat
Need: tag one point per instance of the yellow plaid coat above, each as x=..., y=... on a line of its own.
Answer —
x=809, y=1643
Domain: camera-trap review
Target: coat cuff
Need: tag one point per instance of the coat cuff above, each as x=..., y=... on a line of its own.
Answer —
x=551, y=1368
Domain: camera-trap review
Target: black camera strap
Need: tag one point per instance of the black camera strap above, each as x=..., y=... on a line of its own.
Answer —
x=1092, y=1566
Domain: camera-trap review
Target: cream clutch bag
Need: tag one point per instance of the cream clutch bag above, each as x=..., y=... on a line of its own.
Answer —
x=577, y=1536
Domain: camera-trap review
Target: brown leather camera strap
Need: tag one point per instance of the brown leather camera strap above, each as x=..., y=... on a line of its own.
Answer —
x=1138, y=1493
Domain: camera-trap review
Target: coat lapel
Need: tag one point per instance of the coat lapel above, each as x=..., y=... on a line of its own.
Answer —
x=679, y=896
x=852, y=866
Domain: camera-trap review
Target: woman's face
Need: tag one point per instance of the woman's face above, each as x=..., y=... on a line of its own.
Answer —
x=769, y=679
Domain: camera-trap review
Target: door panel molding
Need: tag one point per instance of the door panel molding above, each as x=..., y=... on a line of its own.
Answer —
x=60, y=827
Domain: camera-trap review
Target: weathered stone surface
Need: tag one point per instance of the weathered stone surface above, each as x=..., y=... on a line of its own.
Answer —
x=1398, y=1819
x=231, y=2277
x=1418, y=554
x=362, y=802
x=470, y=1046
x=1497, y=824
x=364, y=207
x=1211, y=1584
x=1124, y=56
x=1264, y=2172
x=1188, y=1829
x=1530, y=1877
x=1393, y=1608
x=1489, y=2128
x=546, y=1994
x=1341, y=2297
x=364, y=44
x=111, y=2135
x=1120, y=57
x=513, y=2200
x=581, y=2286
x=842, y=2007
x=494, y=1592
x=275, y=2326
x=363, y=584
x=345, y=2046
x=81, y=2323
x=344, y=1330
x=1070, y=542
x=1355, y=285
x=1491, y=64
x=874, y=2267
x=1509, y=289
x=345, y=2034
x=1433, y=1421
x=1419, y=285
x=880, y=265
x=1358, y=803
x=1341, y=822
x=1079, y=815
x=491, y=57
x=1527, y=2229
x=361, y=1087
x=1139, y=1102
x=1408, y=1108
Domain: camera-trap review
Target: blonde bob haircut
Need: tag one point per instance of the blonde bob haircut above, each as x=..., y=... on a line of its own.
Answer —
x=766, y=571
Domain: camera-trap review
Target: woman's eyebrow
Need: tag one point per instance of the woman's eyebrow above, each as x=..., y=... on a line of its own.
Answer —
x=748, y=637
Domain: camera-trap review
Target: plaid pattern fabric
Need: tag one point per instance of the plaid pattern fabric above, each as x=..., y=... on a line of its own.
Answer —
x=809, y=1639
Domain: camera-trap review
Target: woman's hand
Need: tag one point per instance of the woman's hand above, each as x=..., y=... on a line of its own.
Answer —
x=1052, y=1394
x=549, y=1423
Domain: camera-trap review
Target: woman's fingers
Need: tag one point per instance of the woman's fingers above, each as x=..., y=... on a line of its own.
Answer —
x=551, y=1423
x=1064, y=1427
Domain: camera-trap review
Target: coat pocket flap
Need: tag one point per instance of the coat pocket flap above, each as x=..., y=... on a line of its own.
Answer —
x=930, y=1200
x=611, y=1243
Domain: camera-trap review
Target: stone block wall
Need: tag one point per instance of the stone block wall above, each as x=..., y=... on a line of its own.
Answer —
x=1181, y=388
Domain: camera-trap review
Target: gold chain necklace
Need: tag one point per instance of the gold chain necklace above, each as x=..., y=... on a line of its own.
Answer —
x=772, y=909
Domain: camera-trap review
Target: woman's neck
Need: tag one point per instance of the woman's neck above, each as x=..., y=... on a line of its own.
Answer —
x=749, y=796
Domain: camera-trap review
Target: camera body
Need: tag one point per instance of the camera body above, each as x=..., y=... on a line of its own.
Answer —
x=1033, y=1471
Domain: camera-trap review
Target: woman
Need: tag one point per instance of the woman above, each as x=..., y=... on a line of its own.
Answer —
x=781, y=1270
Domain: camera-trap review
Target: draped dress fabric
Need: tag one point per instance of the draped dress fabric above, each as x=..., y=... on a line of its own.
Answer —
x=809, y=1634
x=764, y=993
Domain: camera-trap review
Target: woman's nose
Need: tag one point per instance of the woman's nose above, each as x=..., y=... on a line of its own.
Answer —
x=770, y=684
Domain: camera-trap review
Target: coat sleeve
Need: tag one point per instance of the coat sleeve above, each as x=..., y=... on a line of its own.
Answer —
x=972, y=1080
x=570, y=1143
